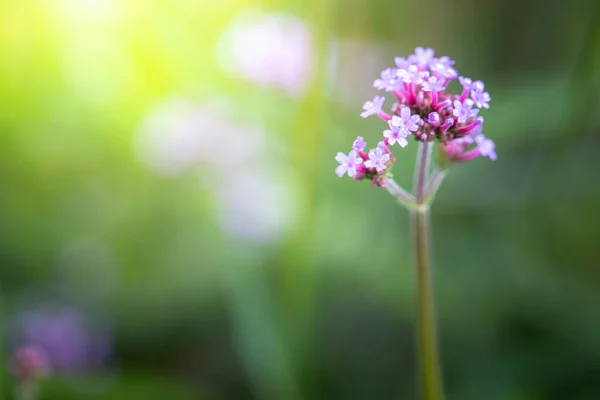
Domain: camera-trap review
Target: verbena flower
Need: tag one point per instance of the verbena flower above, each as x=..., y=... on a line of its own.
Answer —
x=480, y=97
x=421, y=56
x=348, y=163
x=460, y=150
x=434, y=84
x=412, y=75
x=466, y=83
x=396, y=135
x=372, y=107
x=378, y=159
x=486, y=146
x=423, y=111
x=359, y=144
x=464, y=111
x=387, y=78
x=406, y=122
x=443, y=69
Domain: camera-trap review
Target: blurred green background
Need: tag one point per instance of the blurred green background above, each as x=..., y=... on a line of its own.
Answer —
x=166, y=177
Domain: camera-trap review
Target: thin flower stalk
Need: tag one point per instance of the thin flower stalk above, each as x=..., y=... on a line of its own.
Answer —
x=445, y=123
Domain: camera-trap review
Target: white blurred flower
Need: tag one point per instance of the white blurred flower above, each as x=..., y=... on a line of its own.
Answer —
x=254, y=206
x=182, y=135
x=270, y=49
x=235, y=161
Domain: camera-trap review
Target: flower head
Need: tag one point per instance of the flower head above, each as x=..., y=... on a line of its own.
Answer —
x=377, y=159
x=425, y=110
x=372, y=107
x=348, y=163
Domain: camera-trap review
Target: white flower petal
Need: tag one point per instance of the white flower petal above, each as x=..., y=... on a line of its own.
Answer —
x=341, y=158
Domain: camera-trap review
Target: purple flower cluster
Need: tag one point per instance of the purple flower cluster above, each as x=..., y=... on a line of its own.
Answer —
x=71, y=341
x=424, y=111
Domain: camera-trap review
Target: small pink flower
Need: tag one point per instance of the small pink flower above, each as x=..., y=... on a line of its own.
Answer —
x=396, y=135
x=486, y=147
x=406, y=122
x=348, y=163
x=373, y=107
x=377, y=159
x=359, y=144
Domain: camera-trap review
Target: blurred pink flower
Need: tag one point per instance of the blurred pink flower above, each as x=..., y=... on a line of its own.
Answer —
x=29, y=362
x=269, y=49
x=182, y=135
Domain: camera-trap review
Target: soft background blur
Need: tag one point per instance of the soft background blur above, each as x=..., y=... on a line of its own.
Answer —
x=171, y=226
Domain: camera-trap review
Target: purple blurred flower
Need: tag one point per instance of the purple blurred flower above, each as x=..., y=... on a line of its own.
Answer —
x=421, y=56
x=444, y=60
x=465, y=82
x=401, y=62
x=486, y=147
x=72, y=341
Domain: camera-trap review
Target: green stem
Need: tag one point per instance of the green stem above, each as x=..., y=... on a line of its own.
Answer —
x=429, y=371
x=434, y=184
x=422, y=171
x=404, y=198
